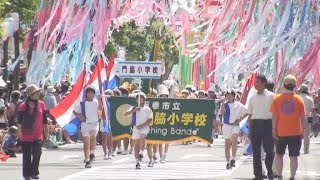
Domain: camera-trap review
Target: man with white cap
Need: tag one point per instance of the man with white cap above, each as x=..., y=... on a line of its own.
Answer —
x=141, y=127
x=87, y=111
x=310, y=115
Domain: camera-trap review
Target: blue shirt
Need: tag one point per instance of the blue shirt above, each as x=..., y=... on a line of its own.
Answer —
x=50, y=101
x=9, y=141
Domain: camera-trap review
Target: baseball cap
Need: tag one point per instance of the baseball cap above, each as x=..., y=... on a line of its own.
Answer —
x=290, y=80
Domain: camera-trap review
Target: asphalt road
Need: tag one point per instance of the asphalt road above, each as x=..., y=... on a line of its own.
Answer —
x=195, y=161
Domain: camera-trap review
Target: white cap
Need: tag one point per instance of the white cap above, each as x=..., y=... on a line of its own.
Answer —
x=109, y=91
x=185, y=91
x=189, y=86
x=163, y=90
x=131, y=95
x=141, y=94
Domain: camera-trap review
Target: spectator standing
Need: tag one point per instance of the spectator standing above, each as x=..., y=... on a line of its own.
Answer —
x=13, y=108
x=310, y=115
x=50, y=99
x=32, y=130
x=288, y=118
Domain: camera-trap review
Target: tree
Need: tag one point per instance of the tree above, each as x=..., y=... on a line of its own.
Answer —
x=139, y=43
x=25, y=9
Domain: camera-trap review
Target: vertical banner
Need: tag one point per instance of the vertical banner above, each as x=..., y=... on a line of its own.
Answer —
x=174, y=120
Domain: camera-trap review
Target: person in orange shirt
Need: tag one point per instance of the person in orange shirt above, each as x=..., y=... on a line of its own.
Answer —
x=288, y=117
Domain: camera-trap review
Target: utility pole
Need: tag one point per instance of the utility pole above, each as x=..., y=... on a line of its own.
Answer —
x=5, y=60
x=16, y=74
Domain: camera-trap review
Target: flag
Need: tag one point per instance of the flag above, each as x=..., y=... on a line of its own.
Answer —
x=248, y=91
x=113, y=81
x=104, y=73
x=63, y=112
x=147, y=84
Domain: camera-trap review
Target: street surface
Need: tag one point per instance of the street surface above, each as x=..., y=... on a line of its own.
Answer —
x=195, y=161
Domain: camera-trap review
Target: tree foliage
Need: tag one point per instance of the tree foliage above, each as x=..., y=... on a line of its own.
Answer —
x=25, y=8
x=139, y=43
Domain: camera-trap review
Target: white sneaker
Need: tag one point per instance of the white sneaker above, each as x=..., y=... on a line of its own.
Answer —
x=163, y=159
x=114, y=153
x=105, y=157
x=125, y=152
x=109, y=156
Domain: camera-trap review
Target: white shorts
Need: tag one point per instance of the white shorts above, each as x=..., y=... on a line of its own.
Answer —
x=136, y=134
x=229, y=130
x=88, y=129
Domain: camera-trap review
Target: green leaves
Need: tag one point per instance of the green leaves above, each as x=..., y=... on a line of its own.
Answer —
x=139, y=43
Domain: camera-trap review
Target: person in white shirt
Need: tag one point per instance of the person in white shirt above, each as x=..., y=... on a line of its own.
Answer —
x=87, y=111
x=260, y=127
x=233, y=112
x=140, y=130
x=310, y=115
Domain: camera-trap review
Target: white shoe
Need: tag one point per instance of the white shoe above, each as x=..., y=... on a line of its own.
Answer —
x=114, y=153
x=105, y=157
x=125, y=152
x=163, y=159
x=109, y=156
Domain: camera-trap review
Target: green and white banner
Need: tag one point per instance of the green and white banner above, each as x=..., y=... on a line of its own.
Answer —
x=174, y=120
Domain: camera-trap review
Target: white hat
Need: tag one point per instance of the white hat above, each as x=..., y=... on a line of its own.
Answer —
x=50, y=89
x=91, y=87
x=117, y=91
x=131, y=95
x=163, y=90
x=185, y=91
x=189, y=86
x=202, y=91
x=141, y=94
x=212, y=89
x=109, y=91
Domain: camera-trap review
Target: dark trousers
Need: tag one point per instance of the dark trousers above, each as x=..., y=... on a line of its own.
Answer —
x=262, y=135
x=31, y=158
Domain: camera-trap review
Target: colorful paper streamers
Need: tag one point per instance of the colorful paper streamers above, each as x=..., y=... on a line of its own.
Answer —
x=228, y=37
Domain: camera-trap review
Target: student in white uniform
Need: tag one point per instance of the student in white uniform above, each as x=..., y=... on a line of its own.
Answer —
x=87, y=111
x=141, y=128
x=233, y=112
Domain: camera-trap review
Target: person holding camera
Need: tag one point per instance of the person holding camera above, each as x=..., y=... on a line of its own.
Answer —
x=310, y=115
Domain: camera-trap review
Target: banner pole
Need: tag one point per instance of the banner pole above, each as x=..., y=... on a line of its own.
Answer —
x=139, y=92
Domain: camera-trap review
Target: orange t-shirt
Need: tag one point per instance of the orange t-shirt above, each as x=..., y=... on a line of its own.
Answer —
x=289, y=107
